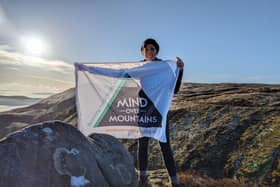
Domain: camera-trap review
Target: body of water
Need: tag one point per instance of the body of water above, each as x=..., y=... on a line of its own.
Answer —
x=9, y=103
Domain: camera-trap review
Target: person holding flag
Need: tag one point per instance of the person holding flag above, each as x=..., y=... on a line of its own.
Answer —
x=149, y=50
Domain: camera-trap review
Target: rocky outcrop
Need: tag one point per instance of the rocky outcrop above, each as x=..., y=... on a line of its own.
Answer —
x=224, y=130
x=230, y=130
x=56, y=154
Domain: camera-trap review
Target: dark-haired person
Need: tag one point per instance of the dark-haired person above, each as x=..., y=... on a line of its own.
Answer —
x=149, y=50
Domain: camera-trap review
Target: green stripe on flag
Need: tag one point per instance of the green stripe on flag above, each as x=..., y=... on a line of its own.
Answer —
x=122, y=83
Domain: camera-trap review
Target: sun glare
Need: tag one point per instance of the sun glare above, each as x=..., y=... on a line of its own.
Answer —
x=34, y=45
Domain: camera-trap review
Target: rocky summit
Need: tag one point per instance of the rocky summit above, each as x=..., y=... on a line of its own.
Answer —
x=54, y=154
x=228, y=130
x=216, y=130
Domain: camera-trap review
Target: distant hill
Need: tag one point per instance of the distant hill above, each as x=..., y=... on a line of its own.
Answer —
x=60, y=107
x=10, y=102
x=217, y=130
x=15, y=97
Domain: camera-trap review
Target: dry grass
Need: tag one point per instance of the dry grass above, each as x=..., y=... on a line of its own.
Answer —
x=195, y=180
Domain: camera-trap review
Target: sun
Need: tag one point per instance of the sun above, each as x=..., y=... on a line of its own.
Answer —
x=34, y=45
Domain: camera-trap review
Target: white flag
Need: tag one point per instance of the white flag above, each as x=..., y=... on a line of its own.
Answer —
x=126, y=100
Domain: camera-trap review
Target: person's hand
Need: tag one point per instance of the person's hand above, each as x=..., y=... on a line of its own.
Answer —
x=179, y=63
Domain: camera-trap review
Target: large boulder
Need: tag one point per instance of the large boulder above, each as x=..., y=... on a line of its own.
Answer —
x=57, y=154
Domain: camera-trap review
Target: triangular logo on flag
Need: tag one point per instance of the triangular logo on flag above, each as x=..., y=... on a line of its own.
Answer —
x=129, y=105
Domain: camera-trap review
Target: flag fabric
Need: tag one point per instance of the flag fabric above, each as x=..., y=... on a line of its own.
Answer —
x=126, y=100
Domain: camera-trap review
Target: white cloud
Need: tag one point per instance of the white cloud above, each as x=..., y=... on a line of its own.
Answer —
x=30, y=75
x=2, y=16
x=39, y=90
x=5, y=47
x=7, y=28
x=14, y=58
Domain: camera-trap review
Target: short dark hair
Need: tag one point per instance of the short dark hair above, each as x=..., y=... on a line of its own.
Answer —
x=150, y=41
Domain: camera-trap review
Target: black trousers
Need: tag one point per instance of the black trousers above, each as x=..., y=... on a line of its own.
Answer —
x=165, y=149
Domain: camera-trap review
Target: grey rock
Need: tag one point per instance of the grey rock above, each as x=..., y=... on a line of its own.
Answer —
x=54, y=154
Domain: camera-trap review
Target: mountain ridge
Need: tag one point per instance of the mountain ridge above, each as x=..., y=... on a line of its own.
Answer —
x=218, y=130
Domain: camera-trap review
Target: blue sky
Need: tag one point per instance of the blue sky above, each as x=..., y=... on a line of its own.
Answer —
x=219, y=40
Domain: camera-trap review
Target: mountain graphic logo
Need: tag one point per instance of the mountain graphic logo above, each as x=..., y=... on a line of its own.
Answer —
x=129, y=105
